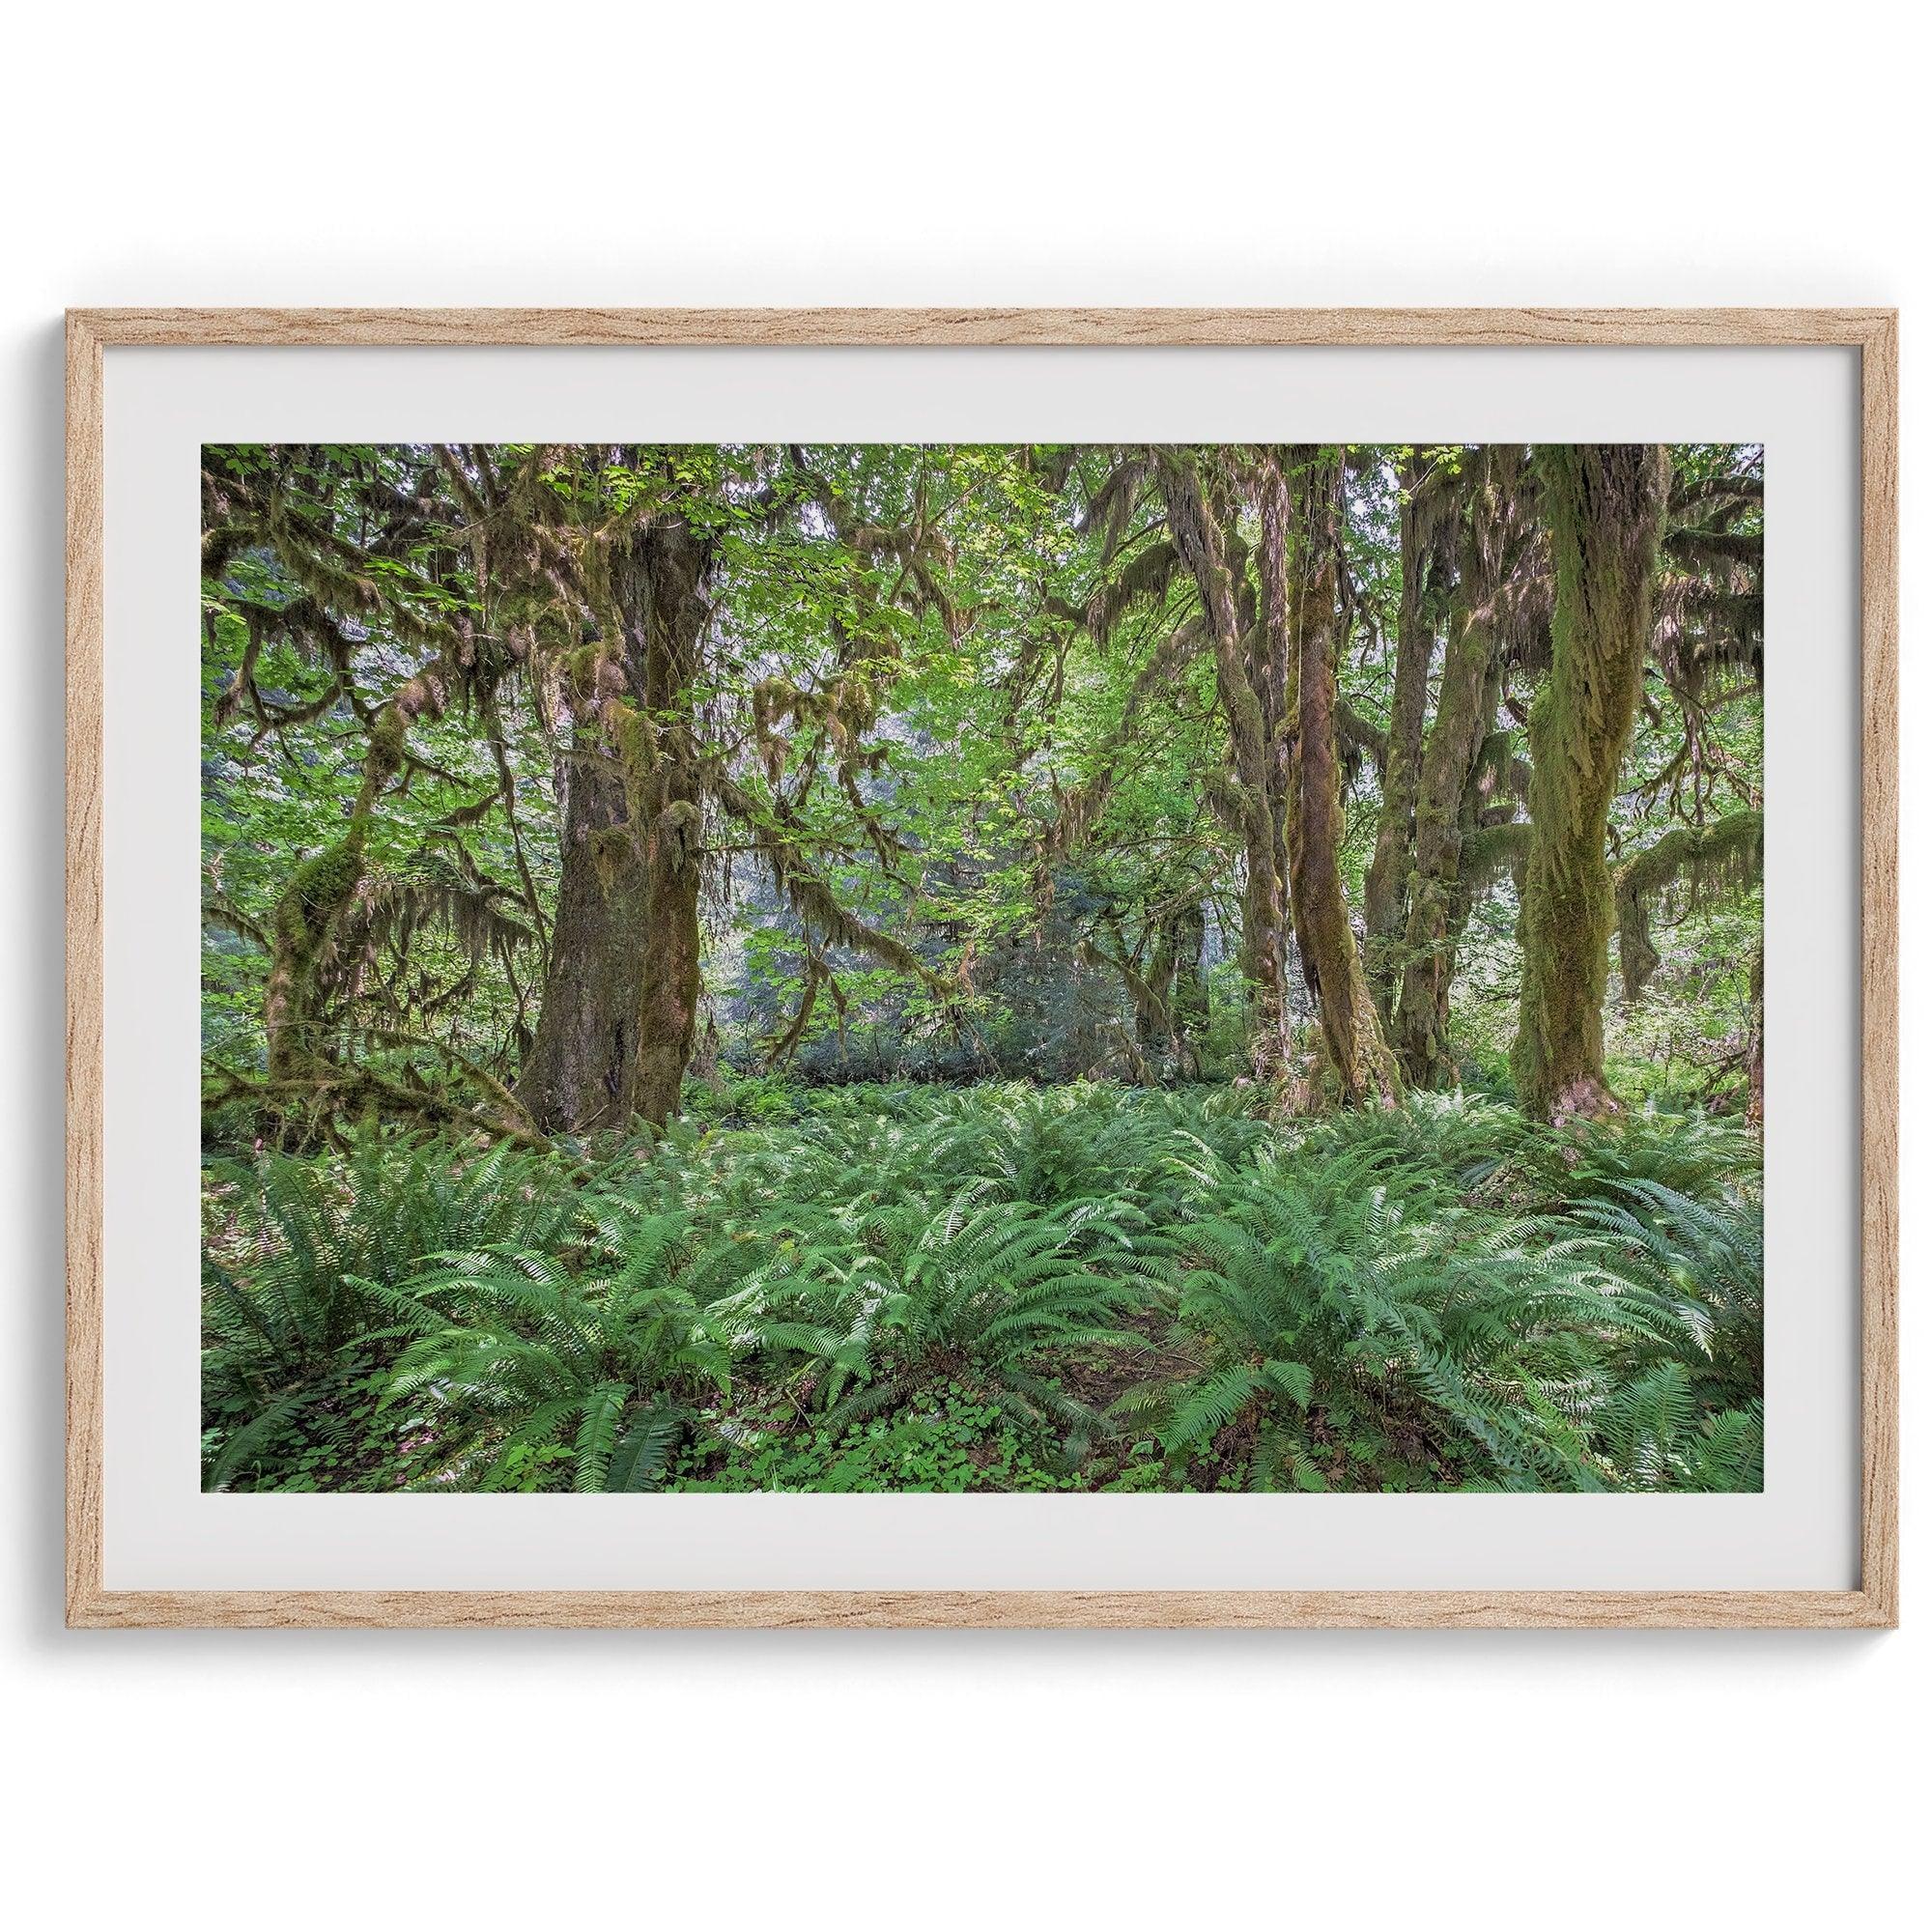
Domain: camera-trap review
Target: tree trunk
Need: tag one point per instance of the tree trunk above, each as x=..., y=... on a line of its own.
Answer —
x=1187, y=1005
x=1152, y=994
x=619, y=1012
x=666, y=782
x=1605, y=503
x=317, y=894
x=1464, y=709
x=1385, y=888
x=1254, y=741
x=1170, y=1003
x=575, y=1076
x=1355, y=1057
x=1754, y=1044
x=1420, y=1020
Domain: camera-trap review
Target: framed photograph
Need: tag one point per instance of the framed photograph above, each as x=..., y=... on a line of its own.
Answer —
x=982, y=967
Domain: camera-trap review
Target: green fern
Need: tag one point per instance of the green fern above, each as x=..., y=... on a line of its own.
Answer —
x=302, y=1265
x=531, y=1353
x=1148, y=1288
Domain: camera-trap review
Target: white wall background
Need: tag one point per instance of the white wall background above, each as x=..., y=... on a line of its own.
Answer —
x=1040, y=152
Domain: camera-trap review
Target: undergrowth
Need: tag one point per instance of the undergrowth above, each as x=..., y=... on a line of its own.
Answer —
x=1000, y=1288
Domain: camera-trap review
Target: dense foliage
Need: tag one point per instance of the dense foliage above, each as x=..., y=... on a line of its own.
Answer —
x=1013, y=967
x=999, y=1288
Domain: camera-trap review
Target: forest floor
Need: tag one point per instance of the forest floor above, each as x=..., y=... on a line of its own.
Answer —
x=996, y=1288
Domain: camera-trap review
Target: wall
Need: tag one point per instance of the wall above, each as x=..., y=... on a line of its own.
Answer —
x=839, y=153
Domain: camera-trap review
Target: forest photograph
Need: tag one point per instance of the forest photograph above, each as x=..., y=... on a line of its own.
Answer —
x=999, y=968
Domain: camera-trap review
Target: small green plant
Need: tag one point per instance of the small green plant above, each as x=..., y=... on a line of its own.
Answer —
x=948, y=1441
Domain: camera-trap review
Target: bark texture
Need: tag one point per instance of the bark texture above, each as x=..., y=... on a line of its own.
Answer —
x=1604, y=506
x=668, y=569
x=619, y=1014
x=1251, y=694
x=1435, y=904
x=1355, y=1062
x=1385, y=888
x=574, y=1075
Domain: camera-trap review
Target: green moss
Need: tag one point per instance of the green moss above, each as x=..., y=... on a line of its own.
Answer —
x=677, y=832
x=317, y=890
x=1606, y=508
x=1690, y=864
x=634, y=736
x=579, y=669
x=388, y=742
x=612, y=848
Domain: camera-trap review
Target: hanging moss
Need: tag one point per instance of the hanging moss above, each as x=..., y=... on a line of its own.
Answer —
x=677, y=835
x=1687, y=867
x=1488, y=853
x=629, y=730
x=579, y=669
x=1605, y=503
x=311, y=902
x=612, y=848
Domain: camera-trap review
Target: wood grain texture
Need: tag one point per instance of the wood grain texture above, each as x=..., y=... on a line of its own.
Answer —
x=1003, y=1609
x=1879, y=938
x=1044, y=328
x=1873, y=332
x=85, y=992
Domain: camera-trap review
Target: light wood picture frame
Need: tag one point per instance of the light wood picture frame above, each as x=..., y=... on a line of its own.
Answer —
x=1872, y=333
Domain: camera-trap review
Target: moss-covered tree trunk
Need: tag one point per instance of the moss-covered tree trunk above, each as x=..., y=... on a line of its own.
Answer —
x=1605, y=503
x=575, y=1076
x=1355, y=1060
x=318, y=892
x=1419, y=1017
x=1754, y=1044
x=1385, y=888
x=1445, y=807
x=667, y=803
x=619, y=1012
x=1254, y=742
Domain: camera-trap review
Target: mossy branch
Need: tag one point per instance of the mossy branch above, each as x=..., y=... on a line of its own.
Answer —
x=1691, y=865
x=813, y=898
